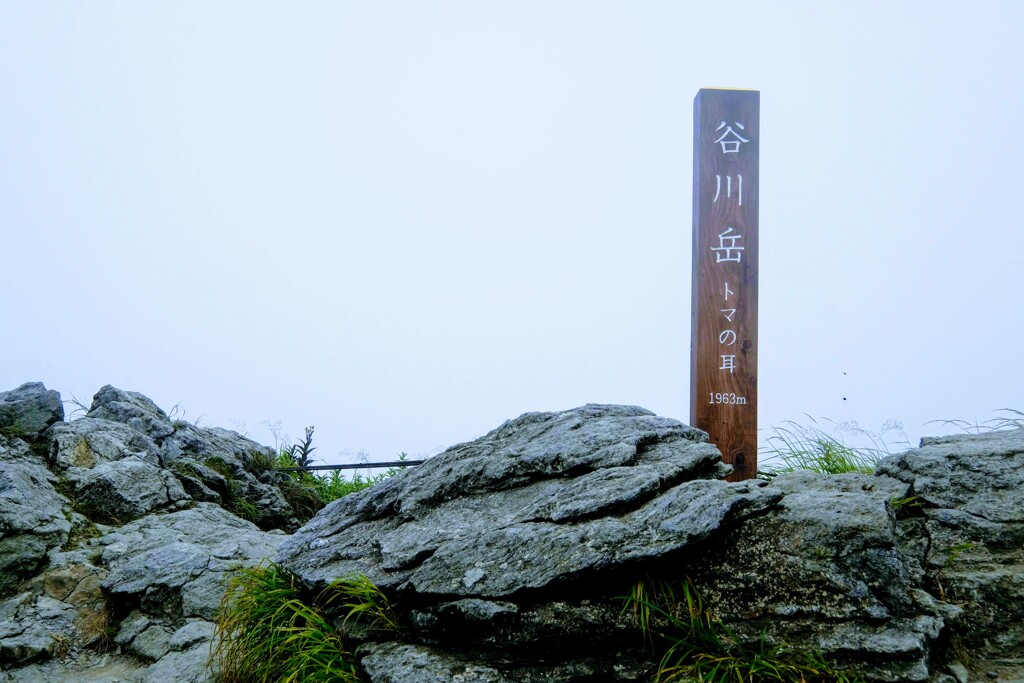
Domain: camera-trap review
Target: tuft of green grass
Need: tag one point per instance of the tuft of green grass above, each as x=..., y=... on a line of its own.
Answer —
x=262, y=462
x=796, y=446
x=267, y=633
x=80, y=534
x=364, y=604
x=908, y=503
x=239, y=506
x=1013, y=420
x=332, y=486
x=698, y=647
x=303, y=496
x=220, y=466
x=950, y=556
x=12, y=432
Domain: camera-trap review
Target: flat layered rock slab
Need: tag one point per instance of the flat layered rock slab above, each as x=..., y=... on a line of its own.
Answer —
x=541, y=499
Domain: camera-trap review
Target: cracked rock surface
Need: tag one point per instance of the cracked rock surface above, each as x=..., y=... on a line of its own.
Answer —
x=505, y=558
x=970, y=492
x=540, y=499
x=518, y=543
x=116, y=543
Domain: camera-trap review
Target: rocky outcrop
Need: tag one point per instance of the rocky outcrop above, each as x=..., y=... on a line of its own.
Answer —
x=965, y=522
x=539, y=500
x=32, y=519
x=501, y=545
x=829, y=567
x=186, y=555
x=104, y=456
x=118, y=534
x=505, y=559
x=28, y=410
x=165, y=577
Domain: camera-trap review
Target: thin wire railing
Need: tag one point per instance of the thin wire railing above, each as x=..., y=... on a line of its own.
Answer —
x=351, y=466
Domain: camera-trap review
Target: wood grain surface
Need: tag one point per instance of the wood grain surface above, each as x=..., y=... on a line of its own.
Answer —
x=723, y=351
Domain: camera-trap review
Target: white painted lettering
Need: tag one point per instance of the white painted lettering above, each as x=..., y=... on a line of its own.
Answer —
x=730, y=145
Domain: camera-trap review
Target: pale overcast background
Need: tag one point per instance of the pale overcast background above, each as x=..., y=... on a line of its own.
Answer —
x=407, y=222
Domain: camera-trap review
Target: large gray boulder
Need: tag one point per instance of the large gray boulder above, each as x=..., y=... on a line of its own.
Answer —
x=504, y=557
x=968, y=508
x=518, y=541
x=29, y=410
x=147, y=592
x=90, y=441
x=32, y=519
x=133, y=409
x=827, y=567
x=124, y=490
x=176, y=566
x=539, y=499
x=118, y=534
x=222, y=466
x=33, y=627
x=100, y=454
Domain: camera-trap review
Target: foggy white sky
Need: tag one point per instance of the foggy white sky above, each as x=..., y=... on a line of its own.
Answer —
x=407, y=222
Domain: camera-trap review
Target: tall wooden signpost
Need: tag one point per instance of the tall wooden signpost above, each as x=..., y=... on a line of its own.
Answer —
x=723, y=352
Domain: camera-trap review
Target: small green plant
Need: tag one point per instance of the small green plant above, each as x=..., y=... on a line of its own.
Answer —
x=302, y=495
x=335, y=485
x=365, y=604
x=81, y=534
x=266, y=632
x=809, y=447
x=952, y=554
x=285, y=459
x=698, y=647
x=328, y=487
x=262, y=462
x=908, y=503
x=643, y=599
x=241, y=507
x=301, y=451
x=220, y=466
x=11, y=432
x=186, y=469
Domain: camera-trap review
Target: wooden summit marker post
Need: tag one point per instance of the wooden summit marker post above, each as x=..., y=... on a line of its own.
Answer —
x=723, y=334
